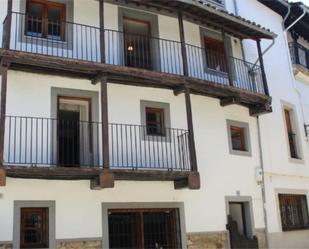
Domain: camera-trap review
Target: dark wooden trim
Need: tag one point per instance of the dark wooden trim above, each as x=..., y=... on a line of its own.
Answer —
x=43, y=64
x=192, y=150
x=8, y=25
x=102, y=34
x=230, y=101
x=183, y=45
x=4, y=73
x=77, y=173
x=265, y=85
x=227, y=58
x=104, y=114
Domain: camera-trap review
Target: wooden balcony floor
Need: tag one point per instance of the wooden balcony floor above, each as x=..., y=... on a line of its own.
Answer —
x=257, y=103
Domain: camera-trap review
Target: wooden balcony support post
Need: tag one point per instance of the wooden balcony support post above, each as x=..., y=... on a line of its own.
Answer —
x=7, y=31
x=227, y=58
x=104, y=114
x=4, y=72
x=264, y=79
x=102, y=33
x=192, y=150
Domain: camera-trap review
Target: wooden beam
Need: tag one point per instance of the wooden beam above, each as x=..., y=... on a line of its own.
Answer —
x=192, y=150
x=104, y=180
x=227, y=58
x=4, y=73
x=192, y=181
x=183, y=45
x=8, y=26
x=230, y=101
x=264, y=79
x=260, y=109
x=104, y=115
x=102, y=31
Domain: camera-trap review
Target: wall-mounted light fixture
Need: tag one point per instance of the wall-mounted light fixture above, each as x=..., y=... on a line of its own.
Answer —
x=130, y=48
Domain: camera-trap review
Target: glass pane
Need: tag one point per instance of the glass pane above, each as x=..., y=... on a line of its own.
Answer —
x=54, y=23
x=35, y=10
x=34, y=20
x=237, y=136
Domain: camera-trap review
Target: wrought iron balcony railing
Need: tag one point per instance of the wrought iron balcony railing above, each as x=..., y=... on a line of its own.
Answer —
x=299, y=54
x=82, y=42
x=33, y=141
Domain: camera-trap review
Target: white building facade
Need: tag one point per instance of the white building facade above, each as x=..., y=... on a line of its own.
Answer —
x=134, y=124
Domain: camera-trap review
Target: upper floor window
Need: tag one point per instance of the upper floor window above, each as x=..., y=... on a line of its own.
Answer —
x=155, y=121
x=45, y=19
x=291, y=134
x=293, y=211
x=34, y=228
x=238, y=138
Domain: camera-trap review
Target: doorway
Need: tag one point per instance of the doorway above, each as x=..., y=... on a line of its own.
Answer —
x=240, y=223
x=73, y=131
x=144, y=228
x=137, y=43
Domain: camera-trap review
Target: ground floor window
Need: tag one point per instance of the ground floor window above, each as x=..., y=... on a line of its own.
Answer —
x=144, y=228
x=294, y=212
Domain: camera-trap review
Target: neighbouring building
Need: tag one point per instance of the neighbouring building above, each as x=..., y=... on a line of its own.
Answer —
x=152, y=124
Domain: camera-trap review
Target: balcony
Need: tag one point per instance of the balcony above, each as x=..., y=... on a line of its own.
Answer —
x=300, y=58
x=36, y=145
x=125, y=53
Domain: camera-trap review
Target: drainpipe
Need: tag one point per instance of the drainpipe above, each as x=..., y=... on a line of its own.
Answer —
x=259, y=138
x=263, y=182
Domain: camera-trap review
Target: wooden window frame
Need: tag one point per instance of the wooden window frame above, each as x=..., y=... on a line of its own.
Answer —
x=293, y=148
x=161, y=123
x=292, y=199
x=45, y=22
x=242, y=131
x=44, y=212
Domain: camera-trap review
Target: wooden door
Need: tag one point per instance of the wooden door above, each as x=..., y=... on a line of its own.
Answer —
x=68, y=138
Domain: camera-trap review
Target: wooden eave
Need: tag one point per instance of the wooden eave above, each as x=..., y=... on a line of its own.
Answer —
x=296, y=10
x=207, y=14
x=44, y=64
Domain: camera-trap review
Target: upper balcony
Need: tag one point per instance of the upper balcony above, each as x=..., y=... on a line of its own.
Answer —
x=135, y=56
x=300, y=58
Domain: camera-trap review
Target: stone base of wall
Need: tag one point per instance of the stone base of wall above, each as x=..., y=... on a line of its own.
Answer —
x=206, y=240
x=211, y=240
x=260, y=234
x=90, y=244
x=6, y=246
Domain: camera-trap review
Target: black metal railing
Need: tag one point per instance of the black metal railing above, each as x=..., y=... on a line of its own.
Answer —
x=52, y=142
x=293, y=145
x=213, y=66
x=82, y=42
x=299, y=54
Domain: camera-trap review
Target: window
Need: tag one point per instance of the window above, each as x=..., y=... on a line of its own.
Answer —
x=45, y=19
x=144, y=228
x=155, y=121
x=293, y=211
x=291, y=134
x=34, y=228
x=215, y=54
x=238, y=138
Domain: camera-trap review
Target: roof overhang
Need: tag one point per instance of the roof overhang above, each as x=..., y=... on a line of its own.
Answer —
x=208, y=14
x=296, y=10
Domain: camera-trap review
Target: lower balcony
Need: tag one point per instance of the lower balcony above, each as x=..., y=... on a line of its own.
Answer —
x=71, y=149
